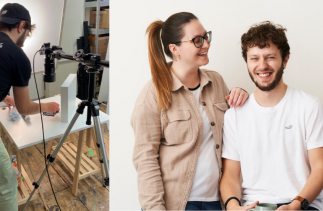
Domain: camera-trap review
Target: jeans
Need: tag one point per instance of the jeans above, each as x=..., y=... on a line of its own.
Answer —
x=203, y=205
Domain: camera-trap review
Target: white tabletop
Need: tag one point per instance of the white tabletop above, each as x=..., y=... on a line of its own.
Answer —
x=28, y=133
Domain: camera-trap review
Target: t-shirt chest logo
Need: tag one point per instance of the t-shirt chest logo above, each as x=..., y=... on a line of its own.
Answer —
x=289, y=127
x=1, y=45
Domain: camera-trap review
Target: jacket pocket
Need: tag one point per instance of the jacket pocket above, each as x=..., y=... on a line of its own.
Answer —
x=223, y=106
x=220, y=108
x=178, y=128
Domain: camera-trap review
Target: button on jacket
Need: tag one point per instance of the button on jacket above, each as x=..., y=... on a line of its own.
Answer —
x=167, y=143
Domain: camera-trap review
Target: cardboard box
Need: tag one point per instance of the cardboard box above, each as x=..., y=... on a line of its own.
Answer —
x=104, y=19
x=102, y=51
x=102, y=41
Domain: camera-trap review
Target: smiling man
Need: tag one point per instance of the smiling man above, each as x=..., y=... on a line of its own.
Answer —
x=275, y=140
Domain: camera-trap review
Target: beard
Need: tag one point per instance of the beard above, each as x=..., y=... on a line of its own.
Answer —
x=274, y=83
x=21, y=40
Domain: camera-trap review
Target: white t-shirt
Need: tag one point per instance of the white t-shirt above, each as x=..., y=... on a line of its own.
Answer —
x=272, y=146
x=206, y=179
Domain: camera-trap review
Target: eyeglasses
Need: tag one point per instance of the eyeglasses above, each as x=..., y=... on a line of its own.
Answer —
x=199, y=40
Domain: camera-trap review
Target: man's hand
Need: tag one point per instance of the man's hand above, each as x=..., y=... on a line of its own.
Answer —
x=245, y=208
x=27, y=107
x=9, y=101
x=237, y=97
x=294, y=205
x=50, y=107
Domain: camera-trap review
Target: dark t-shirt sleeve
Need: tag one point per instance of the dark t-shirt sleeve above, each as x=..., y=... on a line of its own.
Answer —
x=22, y=70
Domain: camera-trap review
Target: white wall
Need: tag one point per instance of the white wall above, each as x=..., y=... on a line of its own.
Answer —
x=49, y=31
x=72, y=29
x=47, y=16
x=227, y=20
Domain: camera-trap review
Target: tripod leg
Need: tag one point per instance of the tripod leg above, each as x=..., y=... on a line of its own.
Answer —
x=95, y=143
x=78, y=162
x=53, y=156
x=101, y=148
x=25, y=157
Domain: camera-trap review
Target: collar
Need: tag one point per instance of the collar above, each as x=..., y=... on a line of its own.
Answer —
x=177, y=84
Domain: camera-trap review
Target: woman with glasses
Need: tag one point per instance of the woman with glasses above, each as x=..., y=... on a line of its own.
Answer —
x=178, y=119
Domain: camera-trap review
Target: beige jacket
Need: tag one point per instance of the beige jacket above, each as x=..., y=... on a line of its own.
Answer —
x=167, y=143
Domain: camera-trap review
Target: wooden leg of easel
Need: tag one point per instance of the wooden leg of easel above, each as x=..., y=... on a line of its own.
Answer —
x=49, y=147
x=18, y=158
x=68, y=138
x=78, y=162
x=3, y=137
x=88, y=137
x=33, y=177
x=43, y=199
x=10, y=150
x=71, y=137
x=2, y=133
x=94, y=142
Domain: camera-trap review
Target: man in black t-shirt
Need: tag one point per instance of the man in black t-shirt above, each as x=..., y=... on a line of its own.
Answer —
x=15, y=71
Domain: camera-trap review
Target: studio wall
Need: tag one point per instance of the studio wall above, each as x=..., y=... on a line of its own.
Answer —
x=227, y=20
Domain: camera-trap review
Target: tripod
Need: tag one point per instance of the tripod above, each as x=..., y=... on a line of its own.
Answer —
x=93, y=64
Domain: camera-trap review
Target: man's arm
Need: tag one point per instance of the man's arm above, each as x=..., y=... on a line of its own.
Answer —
x=230, y=182
x=27, y=107
x=314, y=184
x=230, y=185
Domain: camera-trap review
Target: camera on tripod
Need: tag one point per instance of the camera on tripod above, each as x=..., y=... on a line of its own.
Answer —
x=92, y=63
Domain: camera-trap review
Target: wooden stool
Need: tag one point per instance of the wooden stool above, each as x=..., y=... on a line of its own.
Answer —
x=78, y=163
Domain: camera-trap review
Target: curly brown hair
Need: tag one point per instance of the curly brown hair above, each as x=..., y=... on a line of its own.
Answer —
x=262, y=34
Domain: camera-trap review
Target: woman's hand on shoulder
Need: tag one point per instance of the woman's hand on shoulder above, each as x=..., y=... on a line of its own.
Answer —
x=237, y=97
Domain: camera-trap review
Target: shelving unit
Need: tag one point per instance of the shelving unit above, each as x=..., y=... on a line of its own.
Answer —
x=89, y=6
x=101, y=31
